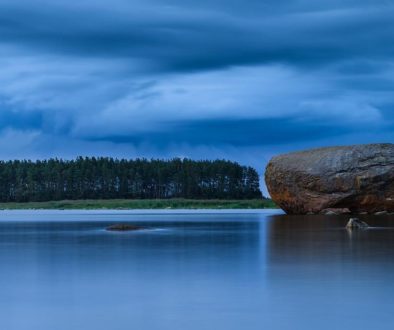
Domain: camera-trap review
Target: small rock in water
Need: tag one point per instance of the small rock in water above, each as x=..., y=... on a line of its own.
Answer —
x=381, y=213
x=123, y=227
x=335, y=211
x=329, y=212
x=356, y=223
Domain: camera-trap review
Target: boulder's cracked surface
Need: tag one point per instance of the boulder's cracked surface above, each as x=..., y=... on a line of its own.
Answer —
x=359, y=178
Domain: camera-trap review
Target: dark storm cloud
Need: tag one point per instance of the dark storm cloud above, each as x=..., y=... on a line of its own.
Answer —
x=245, y=132
x=185, y=36
x=22, y=121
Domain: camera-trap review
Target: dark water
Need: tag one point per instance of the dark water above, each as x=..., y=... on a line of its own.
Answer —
x=61, y=270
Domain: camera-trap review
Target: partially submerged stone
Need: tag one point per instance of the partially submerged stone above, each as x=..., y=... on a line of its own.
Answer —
x=123, y=227
x=329, y=213
x=381, y=213
x=359, y=178
x=356, y=223
x=335, y=211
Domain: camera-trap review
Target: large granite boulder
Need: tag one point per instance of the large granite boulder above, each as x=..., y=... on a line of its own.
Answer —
x=359, y=178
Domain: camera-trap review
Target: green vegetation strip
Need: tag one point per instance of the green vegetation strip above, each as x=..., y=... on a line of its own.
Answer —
x=127, y=204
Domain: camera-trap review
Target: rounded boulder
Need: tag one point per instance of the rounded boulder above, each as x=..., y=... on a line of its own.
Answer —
x=359, y=178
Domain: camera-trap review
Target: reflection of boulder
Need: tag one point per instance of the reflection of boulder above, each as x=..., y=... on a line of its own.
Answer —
x=305, y=238
x=359, y=178
x=318, y=239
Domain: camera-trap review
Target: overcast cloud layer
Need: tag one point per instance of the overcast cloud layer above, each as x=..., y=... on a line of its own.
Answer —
x=202, y=79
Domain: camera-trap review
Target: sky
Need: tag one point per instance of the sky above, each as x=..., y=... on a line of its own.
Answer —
x=241, y=80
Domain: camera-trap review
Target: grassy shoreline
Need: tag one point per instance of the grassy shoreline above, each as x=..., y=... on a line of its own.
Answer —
x=127, y=204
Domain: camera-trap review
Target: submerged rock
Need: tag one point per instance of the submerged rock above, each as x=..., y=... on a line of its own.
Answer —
x=335, y=211
x=330, y=213
x=356, y=223
x=123, y=227
x=359, y=178
x=381, y=213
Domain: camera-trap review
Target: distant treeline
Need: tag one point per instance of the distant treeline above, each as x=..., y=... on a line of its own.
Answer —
x=108, y=178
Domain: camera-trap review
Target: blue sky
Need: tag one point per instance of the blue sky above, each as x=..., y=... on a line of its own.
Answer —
x=242, y=80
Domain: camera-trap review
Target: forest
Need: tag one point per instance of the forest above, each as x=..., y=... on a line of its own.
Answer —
x=108, y=178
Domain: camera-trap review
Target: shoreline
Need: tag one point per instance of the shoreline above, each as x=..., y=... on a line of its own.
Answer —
x=142, y=204
x=142, y=212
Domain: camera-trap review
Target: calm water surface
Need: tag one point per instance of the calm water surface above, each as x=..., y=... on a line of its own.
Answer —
x=194, y=270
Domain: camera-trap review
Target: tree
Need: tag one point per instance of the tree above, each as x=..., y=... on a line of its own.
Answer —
x=106, y=178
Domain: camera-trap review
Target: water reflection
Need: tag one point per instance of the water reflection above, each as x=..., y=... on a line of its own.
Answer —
x=197, y=271
x=305, y=239
x=326, y=277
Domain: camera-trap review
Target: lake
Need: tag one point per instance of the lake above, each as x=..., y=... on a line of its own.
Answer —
x=232, y=270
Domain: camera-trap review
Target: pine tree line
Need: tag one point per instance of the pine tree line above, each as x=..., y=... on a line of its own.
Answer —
x=108, y=178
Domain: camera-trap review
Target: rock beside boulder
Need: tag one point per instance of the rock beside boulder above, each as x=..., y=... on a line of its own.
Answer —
x=335, y=211
x=356, y=223
x=381, y=213
x=359, y=178
x=123, y=227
